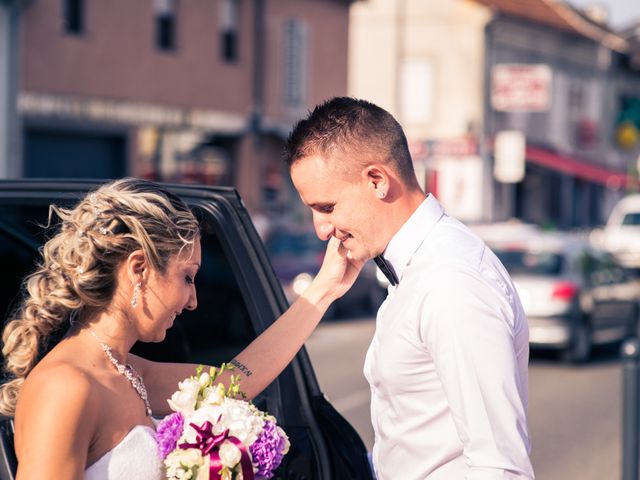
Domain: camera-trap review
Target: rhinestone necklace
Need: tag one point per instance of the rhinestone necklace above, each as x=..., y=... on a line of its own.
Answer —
x=128, y=372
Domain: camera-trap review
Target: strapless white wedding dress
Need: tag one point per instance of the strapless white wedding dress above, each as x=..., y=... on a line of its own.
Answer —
x=135, y=457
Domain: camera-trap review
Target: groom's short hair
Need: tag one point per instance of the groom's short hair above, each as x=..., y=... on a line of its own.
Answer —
x=348, y=127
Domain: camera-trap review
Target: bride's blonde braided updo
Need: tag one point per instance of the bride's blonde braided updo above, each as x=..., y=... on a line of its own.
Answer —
x=77, y=270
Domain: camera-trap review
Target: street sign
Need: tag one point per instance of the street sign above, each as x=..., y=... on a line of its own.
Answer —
x=520, y=87
x=509, y=155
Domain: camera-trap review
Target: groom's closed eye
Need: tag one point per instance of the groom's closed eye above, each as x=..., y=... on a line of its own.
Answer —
x=323, y=208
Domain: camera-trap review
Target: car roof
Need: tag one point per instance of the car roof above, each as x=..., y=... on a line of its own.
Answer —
x=628, y=204
x=532, y=238
x=512, y=230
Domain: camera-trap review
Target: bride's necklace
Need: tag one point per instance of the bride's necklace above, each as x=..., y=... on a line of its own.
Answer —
x=128, y=372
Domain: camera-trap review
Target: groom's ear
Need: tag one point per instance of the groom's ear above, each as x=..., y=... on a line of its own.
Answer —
x=377, y=178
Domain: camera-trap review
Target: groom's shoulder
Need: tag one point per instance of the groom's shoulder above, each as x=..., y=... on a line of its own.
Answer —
x=451, y=241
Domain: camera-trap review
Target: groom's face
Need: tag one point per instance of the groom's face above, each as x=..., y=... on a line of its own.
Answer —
x=343, y=204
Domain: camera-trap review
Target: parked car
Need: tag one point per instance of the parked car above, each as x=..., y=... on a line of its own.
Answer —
x=239, y=297
x=574, y=295
x=621, y=234
x=296, y=256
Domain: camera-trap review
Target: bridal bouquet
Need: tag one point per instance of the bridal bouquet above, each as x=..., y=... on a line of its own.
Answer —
x=213, y=435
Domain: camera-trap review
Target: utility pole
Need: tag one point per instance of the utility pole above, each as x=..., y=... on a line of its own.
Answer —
x=10, y=136
x=257, y=83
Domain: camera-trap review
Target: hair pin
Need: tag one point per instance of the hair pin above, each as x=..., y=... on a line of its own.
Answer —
x=94, y=201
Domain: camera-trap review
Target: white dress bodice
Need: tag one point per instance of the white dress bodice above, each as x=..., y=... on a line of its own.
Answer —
x=136, y=456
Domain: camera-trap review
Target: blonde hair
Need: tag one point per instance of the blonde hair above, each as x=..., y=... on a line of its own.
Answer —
x=76, y=273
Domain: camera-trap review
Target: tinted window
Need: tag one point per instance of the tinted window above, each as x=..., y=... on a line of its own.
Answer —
x=217, y=330
x=632, y=218
x=531, y=262
x=602, y=269
x=19, y=242
x=220, y=327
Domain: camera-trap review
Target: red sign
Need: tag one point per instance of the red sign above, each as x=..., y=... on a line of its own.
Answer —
x=520, y=87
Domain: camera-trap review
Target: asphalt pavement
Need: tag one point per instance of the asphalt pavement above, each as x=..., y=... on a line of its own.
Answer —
x=574, y=411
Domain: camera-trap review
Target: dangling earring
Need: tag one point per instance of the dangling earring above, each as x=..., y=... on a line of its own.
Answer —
x=134, y=297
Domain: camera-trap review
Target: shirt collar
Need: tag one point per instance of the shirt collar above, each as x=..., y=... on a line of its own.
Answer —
x=411, y=235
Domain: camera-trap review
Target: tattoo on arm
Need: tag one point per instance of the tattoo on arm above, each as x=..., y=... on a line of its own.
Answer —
x=241, y=367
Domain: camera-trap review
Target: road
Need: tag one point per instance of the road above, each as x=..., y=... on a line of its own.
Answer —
x=574, y=412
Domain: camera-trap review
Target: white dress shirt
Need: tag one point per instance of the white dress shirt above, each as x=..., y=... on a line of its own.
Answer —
x=448, y=362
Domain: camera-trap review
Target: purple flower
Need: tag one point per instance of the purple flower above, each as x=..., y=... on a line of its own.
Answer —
x=168, y=433
x=267, y=451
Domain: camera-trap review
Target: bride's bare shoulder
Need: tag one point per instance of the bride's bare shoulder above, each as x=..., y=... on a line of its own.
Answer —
x=64, y=390
x=57, y=401
x=56, y=384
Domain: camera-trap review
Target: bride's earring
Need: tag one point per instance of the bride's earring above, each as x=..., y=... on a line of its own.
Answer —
x=134, y=297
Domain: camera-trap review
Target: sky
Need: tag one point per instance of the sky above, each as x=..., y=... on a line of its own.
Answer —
x=621, y=12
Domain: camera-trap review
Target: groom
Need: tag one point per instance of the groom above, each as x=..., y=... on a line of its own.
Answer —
x=448, y=362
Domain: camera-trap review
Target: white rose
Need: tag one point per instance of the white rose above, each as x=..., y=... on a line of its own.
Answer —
x=184, y=400
x=179, y=463
x=191, y=386
x=190, y=457
x=209, y=413
x=229, y=454
x=241, y=420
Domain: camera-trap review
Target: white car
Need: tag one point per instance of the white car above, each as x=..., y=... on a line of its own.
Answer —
x=621, y=235
x=574, y=295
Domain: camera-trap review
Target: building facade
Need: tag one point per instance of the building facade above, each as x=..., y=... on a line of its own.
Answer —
x=457, y=74
x=188, y=91
x=563, y=80
x=423, y=62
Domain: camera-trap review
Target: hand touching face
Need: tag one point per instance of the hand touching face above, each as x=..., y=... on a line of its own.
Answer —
x=338, y=270
x=347, y=208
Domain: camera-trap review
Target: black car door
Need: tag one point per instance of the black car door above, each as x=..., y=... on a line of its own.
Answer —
x=239, y=297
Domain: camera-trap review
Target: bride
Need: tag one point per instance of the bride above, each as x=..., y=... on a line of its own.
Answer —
x=120, y=270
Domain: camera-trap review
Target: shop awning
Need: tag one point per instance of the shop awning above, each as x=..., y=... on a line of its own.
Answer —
x=579, y=169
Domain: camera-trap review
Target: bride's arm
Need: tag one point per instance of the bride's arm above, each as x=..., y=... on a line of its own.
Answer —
x=263, y=360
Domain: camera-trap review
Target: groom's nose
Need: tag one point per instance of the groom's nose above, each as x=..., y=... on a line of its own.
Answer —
x=324, y=228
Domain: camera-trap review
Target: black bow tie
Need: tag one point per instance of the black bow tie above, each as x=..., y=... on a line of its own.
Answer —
x=386, y=268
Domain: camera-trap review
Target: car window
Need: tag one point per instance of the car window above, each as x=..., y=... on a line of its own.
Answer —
x=217, y=330
x=237, y=296
x=17, y=260
x=631, y=218
x=19, y=241
x=607, y=270
x=530, y=262
x=220, y=327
